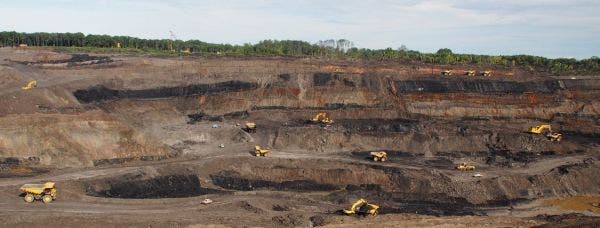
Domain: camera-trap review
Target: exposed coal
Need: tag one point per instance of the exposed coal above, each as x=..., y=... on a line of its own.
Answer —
x=284, y=77
x=377, y=125
x=75, y=60
x=197, y=117
x=173, y=186
x=478, y=86
x=101, y=93
x=232, y=180
x=327, y=106
x=322, y=79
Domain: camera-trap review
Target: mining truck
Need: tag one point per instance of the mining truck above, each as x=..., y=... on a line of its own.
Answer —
x=379, y=156
x=45, y=192
x=250, y=127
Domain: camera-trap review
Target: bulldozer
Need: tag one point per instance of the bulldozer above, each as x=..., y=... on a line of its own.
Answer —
x=546, y=129
x=379, y=156
x=470, y=73
x=463, y=166
x=486, y=73
x=322, y=118
x=250, y=127
x=447, y=73
x=30, y=85
x=45, y=192
x=362, y=207
x=259, y=151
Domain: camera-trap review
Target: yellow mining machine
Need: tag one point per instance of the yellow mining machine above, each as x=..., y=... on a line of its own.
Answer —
x=30, y=85
x=45, y=192
x=470, y=73
x=322, y=118
x=362, y=207
x=250, y=127
x=463, y=166
x=379, y=156
x=259, y=151
x=486, y=73
x=447, y=73
x=546, y=129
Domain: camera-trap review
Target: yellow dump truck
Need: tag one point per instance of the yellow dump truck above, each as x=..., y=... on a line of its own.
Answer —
x=45, y=192
x=470, y=73
x=379, y=156
x=362, y=207
x=447, y=73
x=250, y=127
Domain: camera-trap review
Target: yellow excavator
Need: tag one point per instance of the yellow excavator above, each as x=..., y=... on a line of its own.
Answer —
x=30, y=85
x=322, y=118
x=259, y=151
x=470, y=73
x=447, y=73
x=379, y=156
x=362, y=207
x=250, y=127
x=547, y=130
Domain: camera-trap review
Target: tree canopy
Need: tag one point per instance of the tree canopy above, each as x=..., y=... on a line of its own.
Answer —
x=341, y=48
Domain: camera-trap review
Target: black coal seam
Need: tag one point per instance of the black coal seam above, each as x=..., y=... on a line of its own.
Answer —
x=100, y=93
x=480, y=86
x=327, y=106
x=230, y=180
x=174, y=186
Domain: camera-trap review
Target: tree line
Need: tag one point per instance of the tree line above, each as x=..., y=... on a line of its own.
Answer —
x=327, y=48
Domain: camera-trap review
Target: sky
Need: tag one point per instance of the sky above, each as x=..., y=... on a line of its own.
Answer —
x=550, y=28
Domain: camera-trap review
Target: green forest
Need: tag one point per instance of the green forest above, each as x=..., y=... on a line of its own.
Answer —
x=342, y=49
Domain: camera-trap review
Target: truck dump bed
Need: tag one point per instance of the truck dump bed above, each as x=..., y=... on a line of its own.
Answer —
x=36, y=188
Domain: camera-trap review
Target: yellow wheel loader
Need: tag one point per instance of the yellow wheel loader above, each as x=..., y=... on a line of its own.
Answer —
x=250, y=127
x=546, y=129
x=322, y=118
x=45, y=192
x=30, y=85
x=362, y=207
x=379, y=156
x=259, y=151
x=465, y=167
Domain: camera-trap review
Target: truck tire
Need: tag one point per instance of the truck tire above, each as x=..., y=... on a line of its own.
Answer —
x=28, y=198
x=47, y=198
